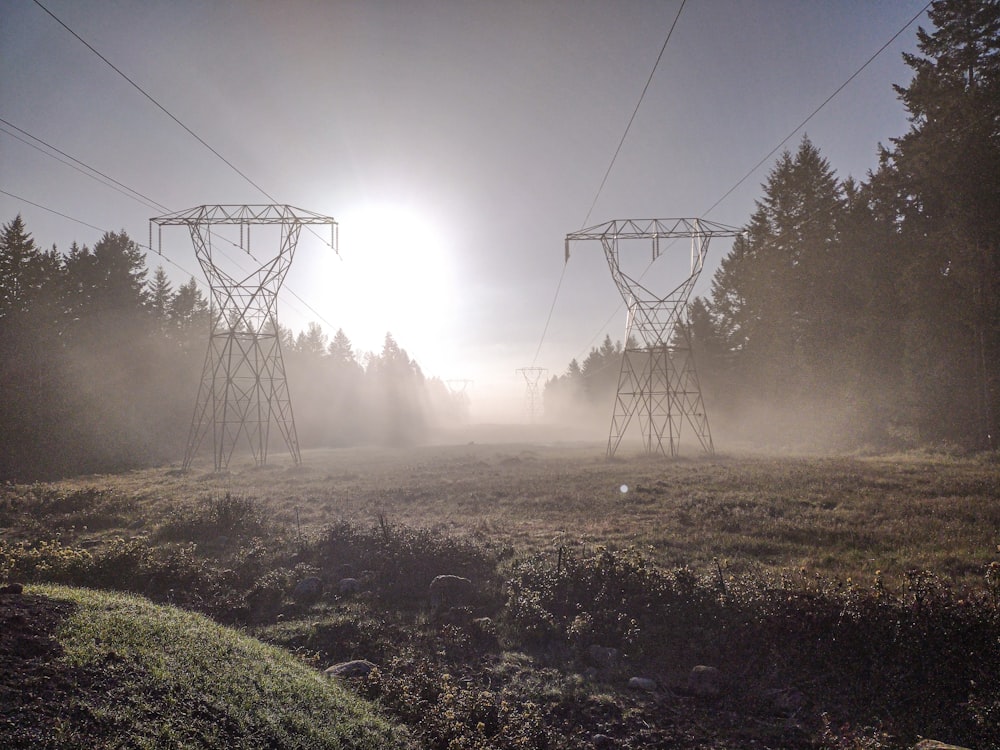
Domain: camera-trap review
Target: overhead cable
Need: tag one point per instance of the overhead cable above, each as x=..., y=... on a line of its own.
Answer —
x=785, y=140
x=607, y=172
x=92, y=226
x=159, y=106
x=634, y=113
x=198, y=138
x=816, y=111
x=125, y=189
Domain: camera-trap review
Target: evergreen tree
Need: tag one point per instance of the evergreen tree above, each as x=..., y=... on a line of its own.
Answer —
x=160, y=292
x=189, y=316
x=600, y=370
x=312, y=342
x=396, y=394
x=341, y=351
x=20, y=268
x=944, y=175
x=33, y=410
x=773, y=296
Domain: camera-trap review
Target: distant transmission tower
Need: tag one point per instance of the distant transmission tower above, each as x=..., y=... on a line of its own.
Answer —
x=243, y=388
x=532, y=396
x=458, y=387
x=658, y=380
x=458, y=390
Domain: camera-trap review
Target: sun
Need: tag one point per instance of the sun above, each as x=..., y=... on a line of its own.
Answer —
x=394, y=275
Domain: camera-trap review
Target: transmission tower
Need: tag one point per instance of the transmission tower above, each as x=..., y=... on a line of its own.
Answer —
x=458, y=387
x=532, y=396
x=658, y=380
x=243, y=388
x=458, y=390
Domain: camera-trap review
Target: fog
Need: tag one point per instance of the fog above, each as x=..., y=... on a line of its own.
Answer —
x=857, y=309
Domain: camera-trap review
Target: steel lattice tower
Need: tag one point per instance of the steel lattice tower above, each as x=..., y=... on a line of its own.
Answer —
x=243, y=389
x=532, y=396
x=658, y=380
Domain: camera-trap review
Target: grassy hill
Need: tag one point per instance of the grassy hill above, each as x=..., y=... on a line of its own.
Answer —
x=84, y=668
x=844, y=602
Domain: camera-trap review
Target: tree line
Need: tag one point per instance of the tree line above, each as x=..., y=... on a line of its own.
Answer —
x=868, y=311
x=100, y=366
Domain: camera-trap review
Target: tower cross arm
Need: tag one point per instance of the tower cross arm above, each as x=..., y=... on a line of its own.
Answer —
x=653, y=229
x=275, y=214
x=242, y=214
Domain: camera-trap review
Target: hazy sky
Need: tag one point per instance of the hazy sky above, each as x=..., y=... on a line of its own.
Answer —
x=455, y=142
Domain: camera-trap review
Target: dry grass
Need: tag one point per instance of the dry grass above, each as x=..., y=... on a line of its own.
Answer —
x=907, y=648
x=841, y=517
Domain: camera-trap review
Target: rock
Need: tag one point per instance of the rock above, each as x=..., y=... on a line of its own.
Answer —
x=936, y=745
x=347, y=586
x=704, y=682
x=642, y=683
x=459, y=617
x=784, y=702
x=451, y=591
x=354, y=668
x=602, y=656
x=602, y=740
x=308, y=590
x=484, y=631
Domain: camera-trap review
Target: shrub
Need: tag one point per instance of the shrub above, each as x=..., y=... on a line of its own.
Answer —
x=613, y=598
x=233, y=516
x=403, y=561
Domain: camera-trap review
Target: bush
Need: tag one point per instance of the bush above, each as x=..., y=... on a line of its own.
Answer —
x=402, y=562
x=616, y=599
x=206, y=522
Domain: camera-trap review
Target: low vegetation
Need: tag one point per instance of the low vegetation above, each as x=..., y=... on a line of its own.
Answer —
x=849, y=603
x=111, y=670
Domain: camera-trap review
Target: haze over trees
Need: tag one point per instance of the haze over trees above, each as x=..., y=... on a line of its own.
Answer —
x=100, y=365
x=869, y=313
x=850, y=312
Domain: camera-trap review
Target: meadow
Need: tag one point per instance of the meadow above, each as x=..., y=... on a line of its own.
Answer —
x=847, y=601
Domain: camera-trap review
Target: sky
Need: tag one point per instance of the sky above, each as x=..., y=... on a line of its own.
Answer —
x=456, y=143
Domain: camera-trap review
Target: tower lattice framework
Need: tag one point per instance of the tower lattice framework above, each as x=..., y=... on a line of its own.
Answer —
x=243, y=390
x=658, y=380
x=532, y=395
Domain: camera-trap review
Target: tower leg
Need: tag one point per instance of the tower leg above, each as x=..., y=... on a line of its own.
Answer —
x=627, y=398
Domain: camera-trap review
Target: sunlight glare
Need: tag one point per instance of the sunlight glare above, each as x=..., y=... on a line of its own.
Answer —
x=394, y=275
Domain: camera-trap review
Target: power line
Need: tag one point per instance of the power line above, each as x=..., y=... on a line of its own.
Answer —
x=817, y=110
x=92, y=226
x=198, y=138
x=548, y=319
x=783, y=142
x=159, y=106
x=305, y=304
x=634, y=113
x=126, y=190
x=607, y=172
x=52, y=211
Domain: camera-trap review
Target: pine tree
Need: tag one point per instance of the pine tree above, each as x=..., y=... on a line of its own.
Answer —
x=160, y=293
x=20, y=268
x=341, y=351
x=772, y=296
x=945, y=178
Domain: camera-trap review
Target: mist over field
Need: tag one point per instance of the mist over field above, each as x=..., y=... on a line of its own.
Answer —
x=839, y=313
x=364, y=446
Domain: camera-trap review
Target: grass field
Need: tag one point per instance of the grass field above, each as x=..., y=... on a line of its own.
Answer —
x=848, y=601
x=847, y=516
x=127, y=673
